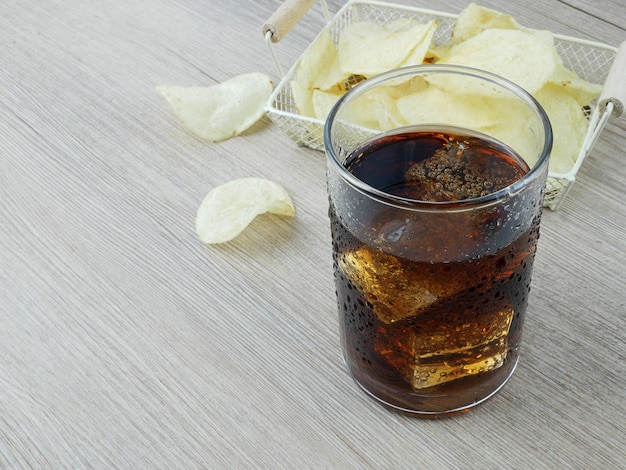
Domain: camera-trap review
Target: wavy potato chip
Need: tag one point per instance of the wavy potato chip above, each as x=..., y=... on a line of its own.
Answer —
x=323, y=101
x=568, y=121
x=527, y=58
x=569, y=126
x=384, y=106
x=513, y=121
x=424, y=46
x=581, y=90
x=229, y=208
x=435, y=106
x=475, y=18
x=317, y=71
x=220, y=111
x=368, y=49
x=303, y=98
x=319, y=66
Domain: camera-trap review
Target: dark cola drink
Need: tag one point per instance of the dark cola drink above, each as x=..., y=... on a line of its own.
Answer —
x=431, y=304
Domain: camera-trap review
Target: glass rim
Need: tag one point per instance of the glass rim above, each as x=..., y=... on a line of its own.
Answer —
x=460, y=205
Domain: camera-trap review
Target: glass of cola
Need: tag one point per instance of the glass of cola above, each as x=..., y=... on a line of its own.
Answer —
x=436, y=176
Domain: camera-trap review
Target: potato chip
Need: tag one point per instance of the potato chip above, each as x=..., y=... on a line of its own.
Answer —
x=331, y=78
x=318, y=69
x=423, y=47
x=323, y=101
x=525, y=57
x=475, y=18
x=384, y=107
x=377, y=109
x=368, y=49
x=569, y=126
x=435, y=106
x=319, y=66
x=581, y=90
x=303, y=97
x=363, y=113
x=220, y=111
x=228, y=209
x=568, y=121
x=403, y=86
x=513, y=121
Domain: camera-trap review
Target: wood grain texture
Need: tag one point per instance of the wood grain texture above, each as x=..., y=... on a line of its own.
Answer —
x=125, y=343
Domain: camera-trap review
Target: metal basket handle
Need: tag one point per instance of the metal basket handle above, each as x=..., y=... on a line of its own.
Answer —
x=611, y=103
x=614, y=90
x=283, y=20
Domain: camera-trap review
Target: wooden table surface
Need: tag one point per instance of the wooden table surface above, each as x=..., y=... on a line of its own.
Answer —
x=126, y=343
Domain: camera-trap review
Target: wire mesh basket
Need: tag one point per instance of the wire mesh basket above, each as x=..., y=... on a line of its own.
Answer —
x=595, y=62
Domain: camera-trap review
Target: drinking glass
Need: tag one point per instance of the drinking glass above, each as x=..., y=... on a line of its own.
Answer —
x=436, y=177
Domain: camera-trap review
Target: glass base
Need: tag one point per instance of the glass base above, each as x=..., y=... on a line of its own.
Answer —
x=445, y=400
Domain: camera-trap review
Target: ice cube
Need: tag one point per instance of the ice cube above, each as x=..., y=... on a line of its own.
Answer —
x=398, y=288
x=440, y=351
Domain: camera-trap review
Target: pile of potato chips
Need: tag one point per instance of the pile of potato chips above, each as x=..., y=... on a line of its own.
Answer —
x=482, y=38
